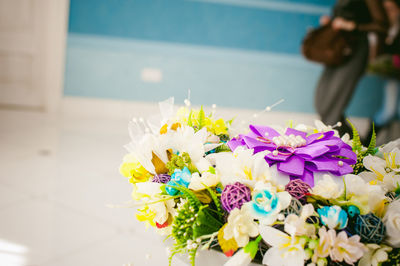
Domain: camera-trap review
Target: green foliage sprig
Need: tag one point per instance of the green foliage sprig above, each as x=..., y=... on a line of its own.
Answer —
x=192, y=221
x=179, y=162
x=359, y=149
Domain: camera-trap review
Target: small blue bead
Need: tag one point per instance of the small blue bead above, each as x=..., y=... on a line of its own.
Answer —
x=353, y=211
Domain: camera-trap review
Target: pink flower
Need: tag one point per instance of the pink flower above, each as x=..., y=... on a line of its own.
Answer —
x=347, y=248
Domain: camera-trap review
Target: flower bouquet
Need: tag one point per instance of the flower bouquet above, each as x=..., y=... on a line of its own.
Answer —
x=300, y=195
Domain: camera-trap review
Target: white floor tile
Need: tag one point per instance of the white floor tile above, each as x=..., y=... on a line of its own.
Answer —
x=9, y=197
x=49, y=231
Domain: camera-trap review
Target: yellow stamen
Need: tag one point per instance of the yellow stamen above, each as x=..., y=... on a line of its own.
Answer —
x=247, y=172
x=393, y=154
x=379, y=175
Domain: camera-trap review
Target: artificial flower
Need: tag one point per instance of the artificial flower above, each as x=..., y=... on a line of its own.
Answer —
x=348, y=249
x=157, y=208
x=286, y=250
x=241, y=166
x=392, y=223
x=179, y=177
x=218, y=127
x=146, y=146
x=146, y=215
x=384, y=172
x=297, y=154
x=327, y=188
x=240, y=226
x=162, y=210
x=390, y=146
x=299, y=224
x=207, y=179
x=267, y=203
x=375, y=255
x=321, y=127
x=367, y=197
x=132, y=169
x=325, y=243
x=244, y=256
x=333, y=217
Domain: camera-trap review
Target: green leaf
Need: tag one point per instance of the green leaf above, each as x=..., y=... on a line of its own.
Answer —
x=205, y=223
x=229, y=122
x=202, y=118
x=357, y=145
x=372, y=144
x=216, y=202
x=252, y=247
x=222, y=148
x=190, y=123
x=175, y=250
x=192, y=256
x=211, y=170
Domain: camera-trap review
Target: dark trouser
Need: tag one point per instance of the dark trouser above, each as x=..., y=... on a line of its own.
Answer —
x=337, y=84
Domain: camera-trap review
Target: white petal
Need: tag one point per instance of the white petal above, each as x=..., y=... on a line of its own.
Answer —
x=295, y=259
x=284, y=199
x=272, y=236
x=273, y=257
x=307, y=211
x=240, y=258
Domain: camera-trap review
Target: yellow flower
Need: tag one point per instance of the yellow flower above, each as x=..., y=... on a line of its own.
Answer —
x=132, y=169
x=146, y=215
x=219, y=127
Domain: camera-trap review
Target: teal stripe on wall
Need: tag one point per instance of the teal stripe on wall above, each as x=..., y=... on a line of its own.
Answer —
x=260, y=25
x=115, y=68
x=286, y=6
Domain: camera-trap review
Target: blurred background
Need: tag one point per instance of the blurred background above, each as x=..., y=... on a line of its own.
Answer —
x=234, y=53
x=72, y=74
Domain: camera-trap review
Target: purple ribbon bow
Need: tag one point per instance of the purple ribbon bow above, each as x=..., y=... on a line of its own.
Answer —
x=297, y=154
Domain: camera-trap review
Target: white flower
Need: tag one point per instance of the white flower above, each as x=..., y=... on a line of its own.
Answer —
x=390, y=146
x=240, y=258
x=298, y=223
x=327, y=188
x=362, y=192
x=375, y=255
x=321, y=127
x=286, y=250
x=207, y=179
x=151, y=191
x=240, y=227
x=392, y=223
x=383, y=171
x=241, y=166
x=162, y=210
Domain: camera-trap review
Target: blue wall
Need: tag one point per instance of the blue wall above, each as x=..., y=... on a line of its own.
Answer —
x=242, y=53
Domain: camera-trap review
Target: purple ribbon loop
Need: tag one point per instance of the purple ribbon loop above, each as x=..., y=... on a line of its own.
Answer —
x=323, y=152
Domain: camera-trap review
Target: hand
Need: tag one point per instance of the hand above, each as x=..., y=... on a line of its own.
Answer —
x=343, y=24
x=323, y=20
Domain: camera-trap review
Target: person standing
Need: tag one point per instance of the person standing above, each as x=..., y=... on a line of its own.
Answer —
x=337, y=83
x=388, y=66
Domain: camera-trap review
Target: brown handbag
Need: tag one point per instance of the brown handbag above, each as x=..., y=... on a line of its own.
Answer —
x=328, y=46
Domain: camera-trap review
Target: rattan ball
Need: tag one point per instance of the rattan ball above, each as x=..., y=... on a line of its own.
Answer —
x=161, y=178
x=298, y=189
x=294, y=207
x=234, y=196
x=370, y=228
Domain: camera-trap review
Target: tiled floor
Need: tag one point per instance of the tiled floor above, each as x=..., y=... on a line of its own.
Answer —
x=57, y=174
